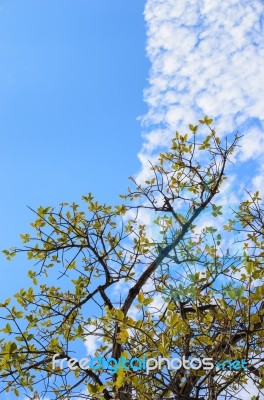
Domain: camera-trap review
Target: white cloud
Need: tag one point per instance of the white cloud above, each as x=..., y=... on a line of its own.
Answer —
x=206, y=58
x=92, y=342
x=258, y=183
x=252, y=145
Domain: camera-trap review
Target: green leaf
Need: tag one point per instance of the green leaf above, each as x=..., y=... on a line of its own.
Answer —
x=13, y=347
x=7, y=328
x=92, y=388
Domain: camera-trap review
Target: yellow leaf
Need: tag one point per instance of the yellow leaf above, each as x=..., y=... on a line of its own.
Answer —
x=147, y=301
x=141, y=297
x=120, y=378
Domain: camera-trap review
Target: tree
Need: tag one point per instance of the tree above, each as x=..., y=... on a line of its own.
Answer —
x=167, y=289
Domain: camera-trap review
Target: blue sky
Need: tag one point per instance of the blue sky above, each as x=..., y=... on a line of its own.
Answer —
x=75, y=75
x=71, y=81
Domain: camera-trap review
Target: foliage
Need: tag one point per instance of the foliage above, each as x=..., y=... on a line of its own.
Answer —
x=111, y=271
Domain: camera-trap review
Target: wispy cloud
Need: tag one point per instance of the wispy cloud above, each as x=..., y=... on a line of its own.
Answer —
x=206, y=58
